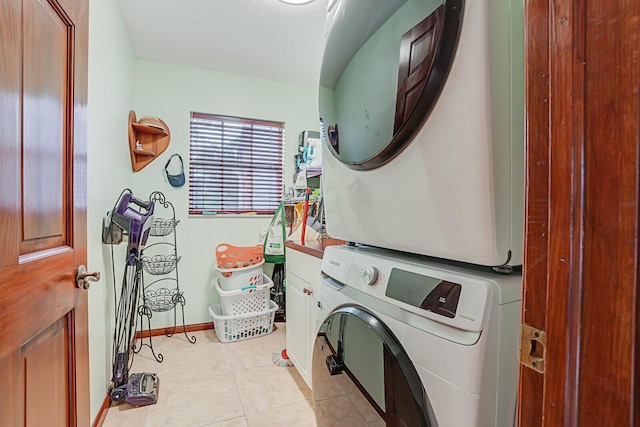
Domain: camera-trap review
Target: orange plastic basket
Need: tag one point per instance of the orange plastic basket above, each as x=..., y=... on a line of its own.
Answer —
x=229, y=256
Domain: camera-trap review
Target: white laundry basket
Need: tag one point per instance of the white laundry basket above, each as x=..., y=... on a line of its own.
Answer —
x=242, y=326
x=250, y=299
x=237, y=278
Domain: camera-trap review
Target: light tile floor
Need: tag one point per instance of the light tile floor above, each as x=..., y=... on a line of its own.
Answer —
x=210, y=383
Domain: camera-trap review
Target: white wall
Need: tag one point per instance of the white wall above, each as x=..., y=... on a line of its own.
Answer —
x=171, y=92
x=111, y=69
x=119, y=83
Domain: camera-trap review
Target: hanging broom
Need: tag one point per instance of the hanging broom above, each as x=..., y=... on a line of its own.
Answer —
x=281, y=359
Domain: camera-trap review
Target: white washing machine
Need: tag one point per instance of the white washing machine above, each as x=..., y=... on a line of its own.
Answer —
x=405, y=340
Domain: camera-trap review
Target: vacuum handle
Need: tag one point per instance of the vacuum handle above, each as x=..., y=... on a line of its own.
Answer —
x=126, y=210
x=145, y=204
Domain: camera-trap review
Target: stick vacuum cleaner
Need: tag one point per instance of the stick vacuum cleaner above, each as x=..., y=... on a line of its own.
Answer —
x=134, y=217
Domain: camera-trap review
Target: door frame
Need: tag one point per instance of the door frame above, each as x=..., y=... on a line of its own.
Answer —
x=582, y=211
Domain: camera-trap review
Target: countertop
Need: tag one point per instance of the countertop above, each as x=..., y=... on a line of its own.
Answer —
x=313, y=247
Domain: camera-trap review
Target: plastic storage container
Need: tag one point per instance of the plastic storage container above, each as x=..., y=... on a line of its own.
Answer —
x=238, y=278
x=231, y=257
x=250, y=299
x=242, y=326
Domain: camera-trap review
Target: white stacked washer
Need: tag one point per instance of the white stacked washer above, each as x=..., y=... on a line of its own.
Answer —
x=414, y=341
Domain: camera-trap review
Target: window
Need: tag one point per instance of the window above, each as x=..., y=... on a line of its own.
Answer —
x=235, y=165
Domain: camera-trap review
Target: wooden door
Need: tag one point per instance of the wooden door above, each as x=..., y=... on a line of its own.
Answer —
x=582, y=212
x=43, y=316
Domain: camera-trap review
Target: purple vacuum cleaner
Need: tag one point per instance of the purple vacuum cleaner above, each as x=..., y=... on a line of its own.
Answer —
x=134, y=217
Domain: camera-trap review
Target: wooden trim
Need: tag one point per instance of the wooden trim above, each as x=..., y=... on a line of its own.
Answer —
x=313, y=247
x=536, y=197
x=589, y=162
x=611, y=163
x=102, y=413
x=162, y=331
x=565, y=211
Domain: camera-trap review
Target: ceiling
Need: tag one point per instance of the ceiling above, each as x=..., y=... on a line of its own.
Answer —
x=260, y=38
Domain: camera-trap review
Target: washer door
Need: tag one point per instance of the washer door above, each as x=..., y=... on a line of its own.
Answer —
x=363, y=377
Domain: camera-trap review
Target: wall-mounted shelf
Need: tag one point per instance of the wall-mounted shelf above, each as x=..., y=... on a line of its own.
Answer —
x=146, y=141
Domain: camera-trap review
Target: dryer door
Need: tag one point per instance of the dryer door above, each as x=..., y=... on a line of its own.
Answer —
x=362, y=376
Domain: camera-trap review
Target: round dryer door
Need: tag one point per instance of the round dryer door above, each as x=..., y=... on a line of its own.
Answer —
x=384, y=66
x=363, y=377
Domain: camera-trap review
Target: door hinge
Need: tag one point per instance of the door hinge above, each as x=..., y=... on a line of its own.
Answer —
x=533, y=344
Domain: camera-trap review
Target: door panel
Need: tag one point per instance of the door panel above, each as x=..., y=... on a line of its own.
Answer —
x=298, y=324
x=46, y=382
x=46, y=131
x=43, y=333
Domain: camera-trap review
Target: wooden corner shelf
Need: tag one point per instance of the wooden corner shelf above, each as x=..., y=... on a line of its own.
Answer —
x=140, y=127
x=146, y=142
x=143, y=153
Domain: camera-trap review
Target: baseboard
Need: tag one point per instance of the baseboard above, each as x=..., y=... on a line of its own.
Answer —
x=102, y=414
x=163, y=331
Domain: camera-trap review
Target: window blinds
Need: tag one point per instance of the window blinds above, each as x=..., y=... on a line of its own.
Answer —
x=235, y=165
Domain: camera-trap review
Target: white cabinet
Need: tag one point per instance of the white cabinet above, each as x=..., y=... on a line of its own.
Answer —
x=302, y=278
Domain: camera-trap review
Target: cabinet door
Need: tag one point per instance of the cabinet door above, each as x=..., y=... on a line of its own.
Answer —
x=306, y=267
x=298, y=340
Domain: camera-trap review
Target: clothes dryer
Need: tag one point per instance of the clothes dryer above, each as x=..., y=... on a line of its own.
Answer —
x=426, y=154
x=405, y=340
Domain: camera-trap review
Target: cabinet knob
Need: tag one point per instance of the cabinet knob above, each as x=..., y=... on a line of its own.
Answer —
x=307, y=291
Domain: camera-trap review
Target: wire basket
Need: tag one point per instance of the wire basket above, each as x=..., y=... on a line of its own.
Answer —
x=250, y=299
x=162, y=299
x=163, y=226
x=242, y=326
x=159, y=264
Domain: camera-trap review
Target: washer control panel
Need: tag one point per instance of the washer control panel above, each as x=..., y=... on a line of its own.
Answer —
x=454, y=295
x=423, y=291
x=369, y=275
x=443, y=299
